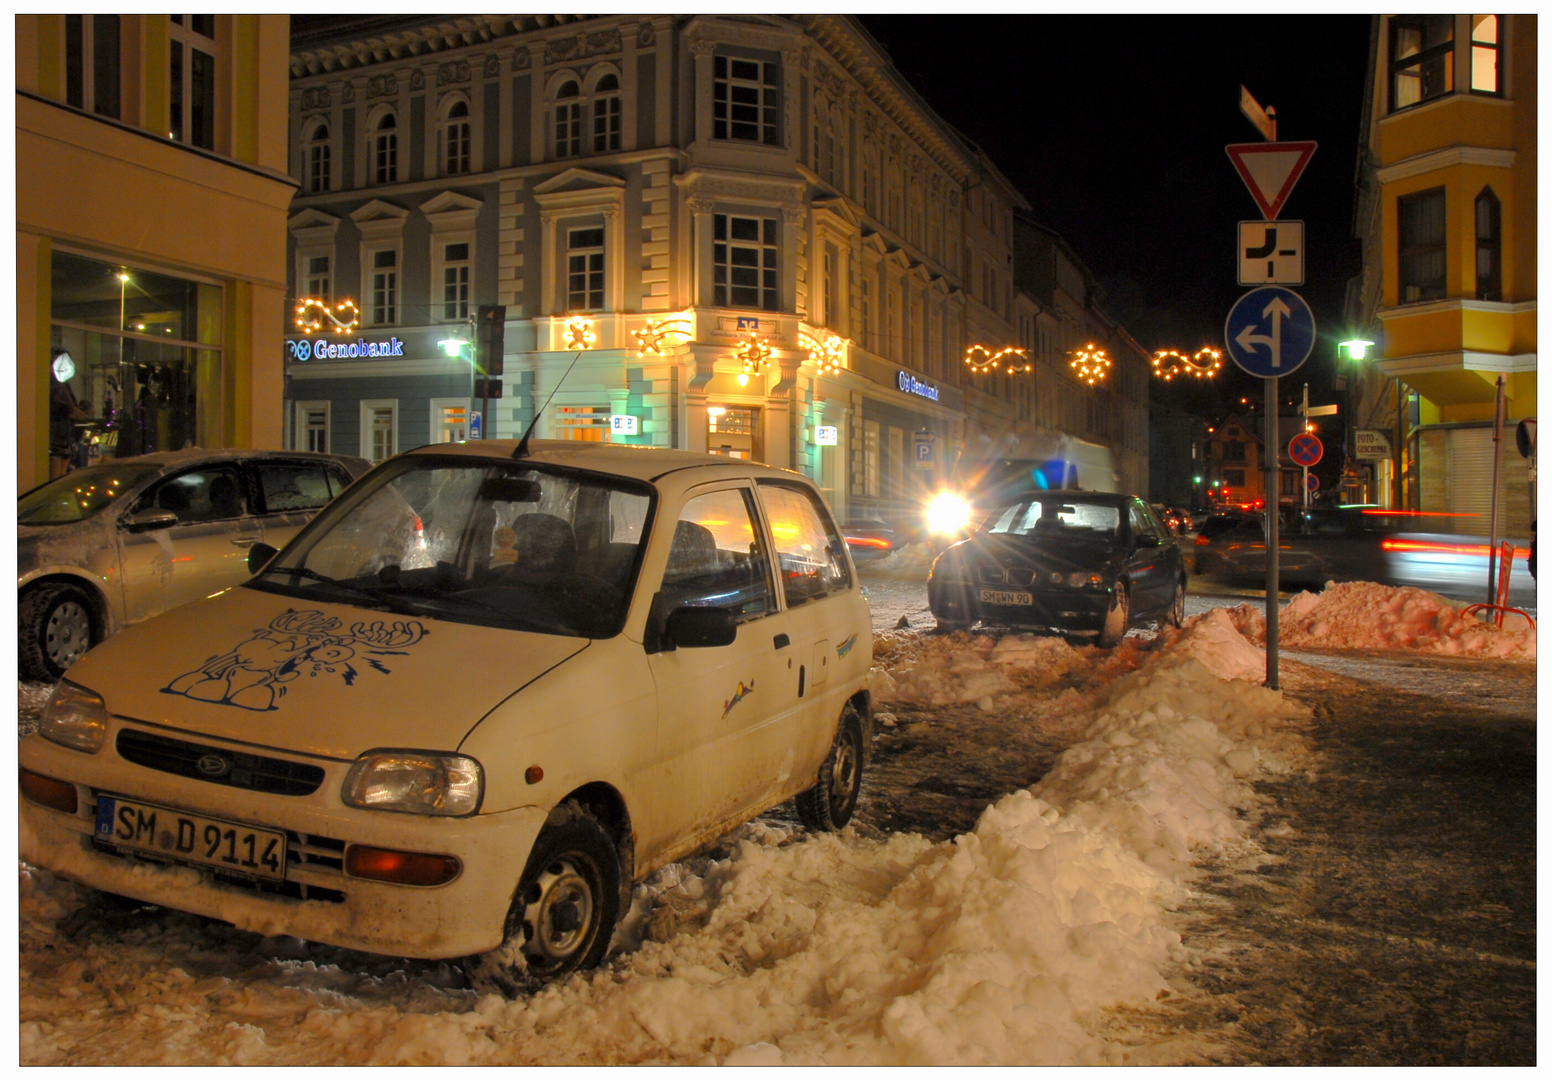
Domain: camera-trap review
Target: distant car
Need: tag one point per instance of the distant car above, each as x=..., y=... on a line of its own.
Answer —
x=1357, y=543
x=1167, y=517
x=480, y=696
x=118, y=542
x=869, y=539
x=1079, y=563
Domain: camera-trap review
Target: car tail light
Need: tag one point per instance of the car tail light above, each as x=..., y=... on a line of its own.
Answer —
x=1202, y=541
x=46, y=791
x=400, y=867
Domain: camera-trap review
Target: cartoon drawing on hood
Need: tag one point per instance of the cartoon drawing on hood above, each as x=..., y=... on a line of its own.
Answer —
x=254, y=674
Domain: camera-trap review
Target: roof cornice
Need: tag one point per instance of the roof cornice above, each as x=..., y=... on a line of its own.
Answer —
x=454, y=32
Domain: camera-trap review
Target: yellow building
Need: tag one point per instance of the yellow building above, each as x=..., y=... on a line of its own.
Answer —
x=1447, y=215
x=151, y=200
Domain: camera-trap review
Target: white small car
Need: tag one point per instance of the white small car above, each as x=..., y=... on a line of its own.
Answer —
x=471, y=703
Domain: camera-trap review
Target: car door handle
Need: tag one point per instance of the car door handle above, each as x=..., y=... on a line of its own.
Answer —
x=782, y=641
x=244, y=541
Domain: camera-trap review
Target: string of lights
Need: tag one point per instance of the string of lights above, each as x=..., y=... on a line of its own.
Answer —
x=1090, y=364
x=992, y=361
x=311, y=314
x=1203, y=364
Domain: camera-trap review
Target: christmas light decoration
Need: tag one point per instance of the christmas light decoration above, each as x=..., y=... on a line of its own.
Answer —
x=827, y=354
x=311, y=313
x=979, y=359
x=755, y=354
x=1090, y=364
x=659, y=333
x=1203, y=364
x=579, y=334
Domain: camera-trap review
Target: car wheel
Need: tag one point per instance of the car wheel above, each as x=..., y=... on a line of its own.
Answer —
x=829, y=804
x=563, y=915
x=1177, y=606
x=55, y=628
x=1117, y=617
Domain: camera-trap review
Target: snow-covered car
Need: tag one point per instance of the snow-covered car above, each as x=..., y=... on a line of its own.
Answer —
x=118, y=542
x=480, y=695
x=1080, y=563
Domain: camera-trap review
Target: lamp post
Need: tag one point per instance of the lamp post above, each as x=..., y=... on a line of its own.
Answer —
x=1354, y=349
x=454, y=346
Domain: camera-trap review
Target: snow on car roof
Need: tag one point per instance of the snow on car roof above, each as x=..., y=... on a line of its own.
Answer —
x=648, y=463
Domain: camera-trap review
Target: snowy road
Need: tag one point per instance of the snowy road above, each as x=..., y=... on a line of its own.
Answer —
x=1206, y=871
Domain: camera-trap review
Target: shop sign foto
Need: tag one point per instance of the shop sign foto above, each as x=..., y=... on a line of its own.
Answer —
x=324, y=349
x=1371, y=445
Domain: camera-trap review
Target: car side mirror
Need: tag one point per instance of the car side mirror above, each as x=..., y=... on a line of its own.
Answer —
x=701, y=627
x=147, y=520
x=1147, y=540
x=258, y=555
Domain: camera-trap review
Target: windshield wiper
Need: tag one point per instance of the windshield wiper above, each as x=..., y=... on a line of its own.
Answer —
x=374, y=597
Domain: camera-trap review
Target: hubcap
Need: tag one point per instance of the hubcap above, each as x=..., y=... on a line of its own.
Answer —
x=557, y=919
x=843, y=777
x=68, y=634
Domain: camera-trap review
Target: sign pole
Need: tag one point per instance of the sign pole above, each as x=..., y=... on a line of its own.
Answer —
x=1273, y=484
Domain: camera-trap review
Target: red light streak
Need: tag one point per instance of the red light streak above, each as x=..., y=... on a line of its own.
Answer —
x=1417, y=513
x=1431, y=548
x=869, y=541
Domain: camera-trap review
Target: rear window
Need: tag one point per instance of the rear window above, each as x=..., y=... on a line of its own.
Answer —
x=1059, y=519
x=299, y=486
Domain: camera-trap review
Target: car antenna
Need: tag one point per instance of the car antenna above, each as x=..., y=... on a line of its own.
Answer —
x=522, y=445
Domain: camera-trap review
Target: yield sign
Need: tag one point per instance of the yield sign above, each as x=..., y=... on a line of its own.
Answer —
x=1270, y=170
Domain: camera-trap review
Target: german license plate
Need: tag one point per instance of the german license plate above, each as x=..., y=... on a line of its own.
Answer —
x=1006, y=597
x=189, y=838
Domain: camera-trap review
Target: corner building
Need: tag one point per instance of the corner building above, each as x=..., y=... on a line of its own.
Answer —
x=742, y=235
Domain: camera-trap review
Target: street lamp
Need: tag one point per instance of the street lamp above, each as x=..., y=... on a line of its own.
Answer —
x=454, y=346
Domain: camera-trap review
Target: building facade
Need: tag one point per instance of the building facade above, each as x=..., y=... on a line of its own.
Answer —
x=151, y=200
x=1447, y=215
x=743, y=235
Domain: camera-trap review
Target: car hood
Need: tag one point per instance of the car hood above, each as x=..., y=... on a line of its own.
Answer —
x=314, y=678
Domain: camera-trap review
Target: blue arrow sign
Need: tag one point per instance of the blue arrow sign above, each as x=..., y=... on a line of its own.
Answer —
x=1270, y=331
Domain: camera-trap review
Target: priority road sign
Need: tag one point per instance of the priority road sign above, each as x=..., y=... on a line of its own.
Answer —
x=1305, y=449
x=1270, y=331
x=1270, y=170
x=1271, y=253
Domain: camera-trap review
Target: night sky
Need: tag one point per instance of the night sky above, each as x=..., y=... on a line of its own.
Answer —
x=1114, y=128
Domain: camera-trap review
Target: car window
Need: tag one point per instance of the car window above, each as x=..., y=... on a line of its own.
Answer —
x=80, y=493
x=299, y=485
x=1144, y=523
x=214, y=493
x=717, y=558
x=1055, y=519
x=808, y=547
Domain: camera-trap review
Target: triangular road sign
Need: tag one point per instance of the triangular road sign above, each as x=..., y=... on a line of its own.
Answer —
x=1270, y=170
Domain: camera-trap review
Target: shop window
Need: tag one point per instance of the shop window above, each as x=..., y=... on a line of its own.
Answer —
x=317, y=164
x=1486, y=50
x=744, y=261
x=92, y=63
x=192, y=80
x=1420, y=228
x=1422, y=58
x=582, y=423
x=734, y=431
x=454, y=137
x=746, y=100
x=1489, y=246
x=606, y=114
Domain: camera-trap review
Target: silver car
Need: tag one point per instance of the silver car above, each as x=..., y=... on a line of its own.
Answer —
x=116, y=543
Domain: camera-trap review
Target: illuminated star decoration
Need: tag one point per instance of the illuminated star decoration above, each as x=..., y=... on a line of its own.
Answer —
x=1090, y=364
x=652, y=337
x=980, y=360
x=827, y=354
x=1204, y=364
x=311, y=313
x=579, y=334
x=755, y=355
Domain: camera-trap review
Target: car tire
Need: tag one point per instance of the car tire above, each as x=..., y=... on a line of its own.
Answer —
x=55, y=627
x=829, y=804
x=564, y=912
x=1117, y=617
x=1177, y=605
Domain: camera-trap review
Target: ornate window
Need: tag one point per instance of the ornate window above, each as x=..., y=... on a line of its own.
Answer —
x=1420, y=229
x=316, y=166
x=568, y=120
x=1489, y=246
x=746, y=100
x=1422, y=58
x=454, y=136
x=385, y=150
x=744, y=261
x=585, y=269
x=606, y=114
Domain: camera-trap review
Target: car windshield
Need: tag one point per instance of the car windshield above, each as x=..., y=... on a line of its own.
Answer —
x=1058, y=519
x=80, y=494
x=474, y=540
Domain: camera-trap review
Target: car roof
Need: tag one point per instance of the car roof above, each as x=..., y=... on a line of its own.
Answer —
x=194, y=454
x=647, y=463
x=1104, y=498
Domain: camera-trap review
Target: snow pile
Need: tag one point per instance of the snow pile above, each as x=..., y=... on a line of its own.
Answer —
x=963, y=669
x=1220, y=643
x=1364, y=615
x=909, y=562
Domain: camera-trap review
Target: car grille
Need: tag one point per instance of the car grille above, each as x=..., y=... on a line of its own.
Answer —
x=272, y=776
x=1012, y=575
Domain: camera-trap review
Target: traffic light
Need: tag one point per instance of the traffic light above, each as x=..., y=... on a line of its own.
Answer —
x=491, y=338
x=488, y=388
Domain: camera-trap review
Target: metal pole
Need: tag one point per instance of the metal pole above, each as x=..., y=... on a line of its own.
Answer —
x=1304, y=416
x=1273, y=485
x=1492, y=549
x=1396, y=453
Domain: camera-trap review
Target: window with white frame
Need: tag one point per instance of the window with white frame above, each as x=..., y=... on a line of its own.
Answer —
x=379, y=430
x=568, y=119
x=606, y=114
x=92, y=80
x=310, y=430
x=746, y=100
x=316, y=165
x=453, y=268
x=317, y=277
x=385, y=150
x=383, y=307
x=454, y=138
x=870, y=440
x=865, y=303
x=191, y=100
x=585, y=269
x=744, y=262
x=831, y=313
x=1486, y=54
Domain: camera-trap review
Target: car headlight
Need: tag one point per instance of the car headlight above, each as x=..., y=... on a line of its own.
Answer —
x=1080, y=580
x=947, y=513
x=415, y=782
x=74, y=717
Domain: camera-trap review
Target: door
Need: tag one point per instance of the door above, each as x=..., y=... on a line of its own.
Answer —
x=714, y=701
x=1151, y=570
x=205, y=552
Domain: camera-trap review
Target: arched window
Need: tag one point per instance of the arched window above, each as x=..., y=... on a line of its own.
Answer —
x=606, y=114
x=1489, y=246
x=385, y=150
x=568, y=120
x=316, y=165
x=455, y=139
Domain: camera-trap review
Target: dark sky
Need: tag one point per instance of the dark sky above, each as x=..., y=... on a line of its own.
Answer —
x=1114, y=128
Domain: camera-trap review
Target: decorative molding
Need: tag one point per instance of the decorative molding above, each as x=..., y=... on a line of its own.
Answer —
x=645, y=36
x=492, y=66
x=417, y=79
x=1449, y=157
x=381, y=86
x=697, y=205
x=597, y=43
x=452, y=73
x=316, y=97
x=521, y=59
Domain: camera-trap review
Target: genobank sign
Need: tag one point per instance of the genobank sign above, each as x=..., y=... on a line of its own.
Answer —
x=912, y=385
x=324, y=349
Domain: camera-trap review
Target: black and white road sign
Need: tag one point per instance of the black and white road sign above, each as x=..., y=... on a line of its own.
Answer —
x=1271, y=253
